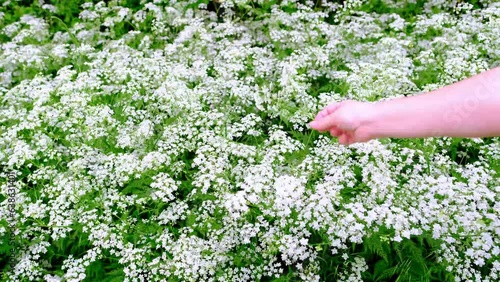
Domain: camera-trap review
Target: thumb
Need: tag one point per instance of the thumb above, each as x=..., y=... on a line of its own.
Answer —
x=323, y=124
x=346, y=119
x=340, y=118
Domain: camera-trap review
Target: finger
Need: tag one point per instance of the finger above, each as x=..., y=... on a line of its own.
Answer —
x=334, y=131
x=332, y=108
x=351, y=139
x=324, y=123
x=320, y=115
x=362, y=135
x=343, y=139
x=327, y=110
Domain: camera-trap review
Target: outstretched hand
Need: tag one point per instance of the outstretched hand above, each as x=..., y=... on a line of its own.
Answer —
x=348, y=120
x=467, y=109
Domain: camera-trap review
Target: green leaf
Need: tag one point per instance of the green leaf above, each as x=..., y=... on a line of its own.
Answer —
x=380, y=267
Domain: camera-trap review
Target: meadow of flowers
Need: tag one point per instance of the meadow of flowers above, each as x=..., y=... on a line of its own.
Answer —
x=168, y=140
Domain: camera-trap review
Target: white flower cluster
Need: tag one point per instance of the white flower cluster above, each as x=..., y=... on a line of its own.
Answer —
x=178, y=149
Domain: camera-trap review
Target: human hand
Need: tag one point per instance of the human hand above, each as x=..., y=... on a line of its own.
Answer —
x=348, y=120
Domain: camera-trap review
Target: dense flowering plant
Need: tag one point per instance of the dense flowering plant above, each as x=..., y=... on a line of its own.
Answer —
x=168, y=140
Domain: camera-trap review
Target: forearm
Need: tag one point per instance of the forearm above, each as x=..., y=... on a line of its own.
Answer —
x=469, y=108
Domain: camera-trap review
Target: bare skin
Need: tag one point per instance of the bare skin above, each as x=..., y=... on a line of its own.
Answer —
x=469, y=108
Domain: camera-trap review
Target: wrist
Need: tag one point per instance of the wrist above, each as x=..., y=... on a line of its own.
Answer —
x=372, y=120
x=401, y=118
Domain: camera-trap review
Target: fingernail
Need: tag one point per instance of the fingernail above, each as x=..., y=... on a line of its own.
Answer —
x=313, y=123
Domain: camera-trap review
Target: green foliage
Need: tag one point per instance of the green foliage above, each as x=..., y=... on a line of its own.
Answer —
x=411, y=259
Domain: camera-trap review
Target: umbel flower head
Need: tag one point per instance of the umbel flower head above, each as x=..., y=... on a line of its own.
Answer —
x=166, y=141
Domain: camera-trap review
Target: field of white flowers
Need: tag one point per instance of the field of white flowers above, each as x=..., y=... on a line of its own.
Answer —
x=167, y=140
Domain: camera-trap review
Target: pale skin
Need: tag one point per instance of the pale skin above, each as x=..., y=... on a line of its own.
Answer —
x=469, y=108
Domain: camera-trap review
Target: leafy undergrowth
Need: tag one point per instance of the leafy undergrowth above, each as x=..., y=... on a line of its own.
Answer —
x=168, y=141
